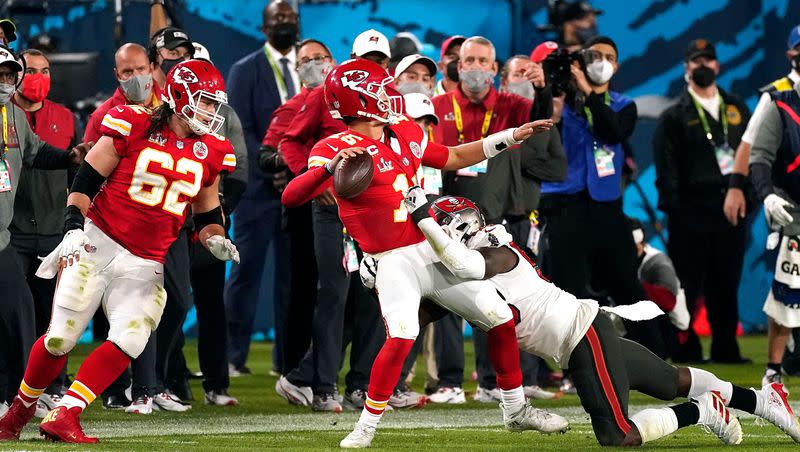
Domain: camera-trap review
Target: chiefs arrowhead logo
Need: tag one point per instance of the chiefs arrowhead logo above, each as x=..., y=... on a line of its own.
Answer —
x=184, y=75
x=351, y=79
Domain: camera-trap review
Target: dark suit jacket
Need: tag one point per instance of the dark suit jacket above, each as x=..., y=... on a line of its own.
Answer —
x=253, y=94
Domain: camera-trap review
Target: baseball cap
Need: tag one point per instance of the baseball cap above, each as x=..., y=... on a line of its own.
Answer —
x=794, y=38
x=7, y=57
x=418, y=106
x=579, y=10
x=404, y=44
x=406, y=62
x=371, y=41
x=9, y=29
x=543, y=50
x=201, y=52
x=172, y=38
x=700, y=47
x=450, y=42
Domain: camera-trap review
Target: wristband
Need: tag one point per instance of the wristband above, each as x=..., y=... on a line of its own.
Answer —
x=421, y=213
x=738, y=180
x=73, y=218
x=498, y=142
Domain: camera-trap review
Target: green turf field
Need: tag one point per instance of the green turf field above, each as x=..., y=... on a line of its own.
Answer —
x=265, y=421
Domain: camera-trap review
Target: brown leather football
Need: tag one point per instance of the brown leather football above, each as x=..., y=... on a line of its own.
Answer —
x=353, y=175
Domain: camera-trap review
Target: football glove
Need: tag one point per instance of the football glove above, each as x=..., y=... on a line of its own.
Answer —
x=775, y=211
x=367, y=271
x=222, y=248
x=417, y=203
x=74, y=243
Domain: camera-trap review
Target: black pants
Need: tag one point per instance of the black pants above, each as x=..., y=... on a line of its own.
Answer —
x=449, y=346
x=303, y=289
x=17, y=324
x=605, y=367
x=208, y=286
x=364, y=331
x=708, y=254
x=590, y=249
x=29, y=248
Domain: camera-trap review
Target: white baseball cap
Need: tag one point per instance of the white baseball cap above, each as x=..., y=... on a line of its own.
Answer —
x=406, y=62
x=371, y=41
x=419, y=105
x=201, y=52
x=7, y=57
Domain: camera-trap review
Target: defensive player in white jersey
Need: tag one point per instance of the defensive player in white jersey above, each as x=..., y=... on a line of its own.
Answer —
x=579, y=336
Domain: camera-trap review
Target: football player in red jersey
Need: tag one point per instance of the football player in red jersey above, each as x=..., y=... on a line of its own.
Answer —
x=135, y=187
x=359, y=92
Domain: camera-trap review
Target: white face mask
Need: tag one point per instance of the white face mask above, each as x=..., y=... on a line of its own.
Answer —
x=600, y=72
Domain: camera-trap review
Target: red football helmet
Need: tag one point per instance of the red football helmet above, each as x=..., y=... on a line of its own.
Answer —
x=460, y=217
x=193, y=87
x=360, y=88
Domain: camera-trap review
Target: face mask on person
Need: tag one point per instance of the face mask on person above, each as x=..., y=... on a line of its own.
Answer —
x=451, y=70
x=796, y=62
x=167, y=65
x=414, y=87
x=583, y=35
x=138, y=88
x=35, y=87
x=6, y=91
x=313, y=73
x=283, y=36
x=523, y=88
x=703, y=76
x=600, y=72
x=476, y=80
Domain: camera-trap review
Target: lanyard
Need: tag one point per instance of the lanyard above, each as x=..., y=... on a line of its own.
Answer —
x=277, y=72
x=487, y=119
x=723, y=118
x=588, y=113
x=5, y=129
x=430, y=134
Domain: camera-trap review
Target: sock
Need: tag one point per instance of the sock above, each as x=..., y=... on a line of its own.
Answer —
x=96, y=373
x=774, y=366
x=687, y=413
x=743, y=399
x=383, y=377
x=654, y=423
x=704, y=381
x=513, y=399
x=504, y=355
x=43, y=368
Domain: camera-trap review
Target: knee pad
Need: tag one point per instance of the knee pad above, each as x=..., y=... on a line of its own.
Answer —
x=59, y=344
x=131, y=334
x=488, y=309
x=76, y=286
x=402, y=325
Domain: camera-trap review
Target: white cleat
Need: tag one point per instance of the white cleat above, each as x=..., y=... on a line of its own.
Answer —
x=716, y=417
x=142, y=405
x=530, y=418
x=3, y=409
x=169, y=402
x=770, y=376
x=296, y=395
x=359, y=438
x=448, y=395
x=772, y=404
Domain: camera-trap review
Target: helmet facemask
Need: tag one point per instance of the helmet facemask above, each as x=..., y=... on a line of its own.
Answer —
x=462, y=225
x=388, y=104
x=200, y=120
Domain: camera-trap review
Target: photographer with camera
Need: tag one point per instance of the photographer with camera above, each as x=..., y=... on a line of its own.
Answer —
x=588, y=245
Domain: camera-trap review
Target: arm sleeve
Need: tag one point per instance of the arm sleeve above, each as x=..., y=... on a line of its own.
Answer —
x=460, y=260
x=302, y=129
x=764, y=150
x=609, y=125
x=664, y=147
x=542, y=103
x=306, y=187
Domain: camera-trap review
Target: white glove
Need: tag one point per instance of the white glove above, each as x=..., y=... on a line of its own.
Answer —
x=72, y=245
x=222, y=248
x=415, y=199
x=368, y=270
x=775, y=211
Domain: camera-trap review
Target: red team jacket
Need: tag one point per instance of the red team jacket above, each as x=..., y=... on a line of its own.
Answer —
x=377, y=218
x=144, y=201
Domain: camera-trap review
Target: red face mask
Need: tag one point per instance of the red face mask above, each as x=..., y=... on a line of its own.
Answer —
x=35, y=87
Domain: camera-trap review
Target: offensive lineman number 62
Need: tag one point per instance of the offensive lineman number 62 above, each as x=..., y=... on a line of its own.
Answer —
x=157, y=184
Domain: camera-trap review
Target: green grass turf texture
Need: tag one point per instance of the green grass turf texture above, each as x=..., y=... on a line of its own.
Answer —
x=265, y=421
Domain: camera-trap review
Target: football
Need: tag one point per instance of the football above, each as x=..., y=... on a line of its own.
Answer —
x=353, y=175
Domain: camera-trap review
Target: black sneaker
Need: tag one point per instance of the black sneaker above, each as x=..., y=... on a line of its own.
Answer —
x=116, y=402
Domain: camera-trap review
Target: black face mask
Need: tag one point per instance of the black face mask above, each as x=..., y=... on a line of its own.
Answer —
x=703, y=76
x=796, y=63
x=583, y=35
x=283, y=36
x=167, y=65
x=451, y=70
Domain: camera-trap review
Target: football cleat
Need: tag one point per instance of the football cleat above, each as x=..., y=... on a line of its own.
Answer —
x=326, y=402
x=448, y=395
x=116, y=401
x=354, y=400
x=169, y=402
x=3, y=409
x=770, y=376
x=716, y=417
x=406, y=398
x=15, y=419
x=296, y=395
x=567, y=387
x=537, y=392
x=220, y=398
x=530, y=418
x=772, y=404
x=142, y=405
x=46, y=403
x=484, y=395
x=359, y=438
x=62, y=424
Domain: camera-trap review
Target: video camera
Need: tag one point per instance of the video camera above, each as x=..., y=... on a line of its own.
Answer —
x=557, y=69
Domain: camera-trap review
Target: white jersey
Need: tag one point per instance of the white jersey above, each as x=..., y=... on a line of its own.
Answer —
x=551, y=321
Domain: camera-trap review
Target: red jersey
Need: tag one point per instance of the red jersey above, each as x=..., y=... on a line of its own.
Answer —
x=145, y=199
x=377, y=218
x=92, y=132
